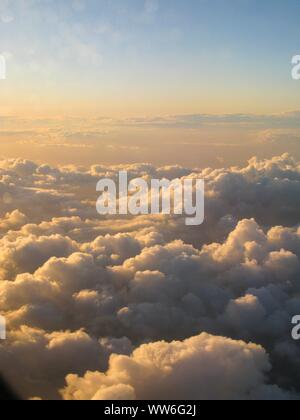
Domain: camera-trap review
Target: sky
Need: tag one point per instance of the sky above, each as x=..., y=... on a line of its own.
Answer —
x=134, y=57
x=90, y=65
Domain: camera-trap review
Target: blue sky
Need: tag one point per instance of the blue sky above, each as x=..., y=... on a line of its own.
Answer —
x=153, y=57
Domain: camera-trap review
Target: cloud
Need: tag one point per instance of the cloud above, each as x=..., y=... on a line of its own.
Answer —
x=282, y=120
x=186, y=370
x=13, y=220
x=26, y=254
x=245, y=288
x=135, y=289
x=55, y=355
x=279, y=124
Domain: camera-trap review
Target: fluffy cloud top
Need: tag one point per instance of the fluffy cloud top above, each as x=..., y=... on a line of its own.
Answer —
x=202, y=367
x=93, y=305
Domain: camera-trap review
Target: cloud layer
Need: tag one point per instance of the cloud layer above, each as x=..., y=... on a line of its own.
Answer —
x=146, y=308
